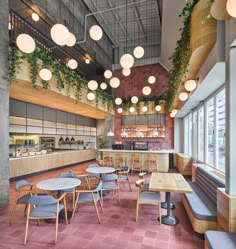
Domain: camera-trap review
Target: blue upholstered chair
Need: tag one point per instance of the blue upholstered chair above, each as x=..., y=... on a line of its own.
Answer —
x=89, y=197
x=24, y=191
x=123, y=175
x=151, y=198
x=44, y=207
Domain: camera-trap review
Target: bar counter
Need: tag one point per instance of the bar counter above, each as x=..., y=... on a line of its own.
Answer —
x=162, y=156
x=21, y=166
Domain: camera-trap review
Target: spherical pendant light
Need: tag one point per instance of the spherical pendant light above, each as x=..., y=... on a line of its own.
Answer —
x=127, y=61
x=151, y=79
x=131, y=109
x=71, y=40
x=107, y=74
x=92, y=85
x=126, y=71
x=174, y=111
x=35, y=17
x=72, y=64
x=118, y=101
x=190, y=85
x=158, y=108
x=87, y=61
x=138, y=52
x=103, y=86
x=59, y=34
x=134, y=99
x=114, y=82
x=144, y=108
x=172, y=115
x=183, y=96
x=25, y=43
x=96, y=32
x=90, y=96
x=45, y=74
x=119, y=110
x=147, y=90
x=231, y=7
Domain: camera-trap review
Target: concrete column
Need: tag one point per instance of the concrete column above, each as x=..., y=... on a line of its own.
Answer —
x=4, y=104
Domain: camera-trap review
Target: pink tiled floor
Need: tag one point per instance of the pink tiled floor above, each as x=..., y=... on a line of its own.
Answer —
x=117, y=231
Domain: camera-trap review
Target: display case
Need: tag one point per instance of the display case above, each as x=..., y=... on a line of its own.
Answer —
x=26, y=150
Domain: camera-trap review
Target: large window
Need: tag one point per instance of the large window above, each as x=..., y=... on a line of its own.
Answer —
x=204, y=130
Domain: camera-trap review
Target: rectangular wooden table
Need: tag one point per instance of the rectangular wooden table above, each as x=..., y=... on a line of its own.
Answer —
x=169, y=182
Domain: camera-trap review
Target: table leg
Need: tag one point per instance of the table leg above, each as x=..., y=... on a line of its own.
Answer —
x=164, y=204
x=168, y=219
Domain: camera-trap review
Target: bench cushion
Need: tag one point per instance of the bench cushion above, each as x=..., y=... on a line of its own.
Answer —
x=201, y=205
x=219, y=240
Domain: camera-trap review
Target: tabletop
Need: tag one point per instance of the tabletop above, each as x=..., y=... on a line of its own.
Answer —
x=58, y=183
x=100, y=170
x=169, y=182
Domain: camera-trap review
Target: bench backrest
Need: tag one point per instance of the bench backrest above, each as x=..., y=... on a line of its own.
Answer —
x=208, y=183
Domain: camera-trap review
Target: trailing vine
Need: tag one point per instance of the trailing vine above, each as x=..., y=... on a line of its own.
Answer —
x=180, y=57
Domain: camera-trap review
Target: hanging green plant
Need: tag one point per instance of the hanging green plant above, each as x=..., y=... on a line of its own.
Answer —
x=180, y=57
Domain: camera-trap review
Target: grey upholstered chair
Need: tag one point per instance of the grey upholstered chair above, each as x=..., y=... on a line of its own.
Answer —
x=123, y=175
x=89, y=197
x=45, y=207
x=24, y=191
x=151, y=198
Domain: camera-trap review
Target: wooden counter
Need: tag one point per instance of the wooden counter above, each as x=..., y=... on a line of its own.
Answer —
x=162, y=156
x=21, y=166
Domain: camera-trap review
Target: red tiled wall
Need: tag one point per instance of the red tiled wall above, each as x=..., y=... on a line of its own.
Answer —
x=132, y=85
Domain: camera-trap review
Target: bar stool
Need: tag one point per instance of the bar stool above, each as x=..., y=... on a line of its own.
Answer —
x=120, y=161
x=137, y=163
x=107, y=160
x=152, y=163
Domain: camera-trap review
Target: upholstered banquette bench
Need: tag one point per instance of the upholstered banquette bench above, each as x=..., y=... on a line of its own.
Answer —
x=201, y=205
x=220, y=240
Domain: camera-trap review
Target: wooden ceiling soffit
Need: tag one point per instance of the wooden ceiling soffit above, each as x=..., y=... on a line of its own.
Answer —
x=65, y=99
x=24, y=91
x=218, y=10
x=202, y=40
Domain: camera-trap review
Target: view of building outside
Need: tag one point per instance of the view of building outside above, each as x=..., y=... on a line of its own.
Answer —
x=210, y=131
x=201, y=134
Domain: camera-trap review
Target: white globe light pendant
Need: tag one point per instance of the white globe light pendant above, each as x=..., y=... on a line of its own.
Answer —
x=92, y=85
x=90, y=96
x=190, y=85
x=114, y=82
x=71, y=40
x=183, y=96
x=119, y=110
x=45, y=74
x=172, y=115
x=25, y=43
x=131, y=109
x=103, y=86
x=127, y=61
x=134, y=99
x=72, y=64
x=138, y=52
x=151, y=79
x=147, y=90
x=174, y=111
x=231, y=7
x=144, y=108
x=126, y=71
x=96, y=32
x=35, y=17
x=158, y=108
x=107, y=74
x=59, y=34
x=118, y=101
x=87, y=61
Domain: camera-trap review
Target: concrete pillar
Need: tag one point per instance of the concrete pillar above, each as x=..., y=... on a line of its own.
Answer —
x=4, y=104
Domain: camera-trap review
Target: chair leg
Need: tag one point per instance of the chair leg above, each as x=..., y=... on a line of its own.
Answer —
x=57, y=218
x=96, y=208
x=137, y=210
x=27, y=224
x=13, y=212
x=160, y=213
x=129, y=185
x=65, y=210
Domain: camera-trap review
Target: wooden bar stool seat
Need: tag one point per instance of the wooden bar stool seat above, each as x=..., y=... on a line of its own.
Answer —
x=120, y=161
x=107, y=160
x=137, y=163
x=152, y=163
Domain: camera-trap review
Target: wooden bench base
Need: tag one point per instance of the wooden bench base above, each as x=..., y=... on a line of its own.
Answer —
x=199, y=226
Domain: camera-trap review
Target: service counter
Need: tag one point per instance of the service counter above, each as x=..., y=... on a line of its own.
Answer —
x=162, y=156
x=21, y=166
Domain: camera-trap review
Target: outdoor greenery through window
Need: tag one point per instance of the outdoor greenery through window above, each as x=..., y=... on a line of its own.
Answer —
x=204, y=137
